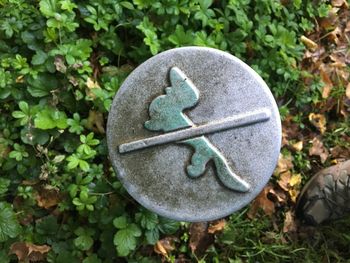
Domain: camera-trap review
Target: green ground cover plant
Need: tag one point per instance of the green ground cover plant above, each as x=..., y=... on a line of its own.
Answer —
x=61, y=63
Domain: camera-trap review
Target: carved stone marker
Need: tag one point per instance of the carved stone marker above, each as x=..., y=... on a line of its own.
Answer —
x=194, y=134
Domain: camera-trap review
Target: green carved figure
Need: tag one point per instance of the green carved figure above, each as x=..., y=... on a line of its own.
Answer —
x=166, y=114
x=166, y=110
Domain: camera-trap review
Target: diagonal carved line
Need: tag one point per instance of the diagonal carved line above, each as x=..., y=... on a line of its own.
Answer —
x=239, y=120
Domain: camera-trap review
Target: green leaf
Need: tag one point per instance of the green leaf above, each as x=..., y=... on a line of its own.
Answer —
x=50, y=118
x=9, y=226
x=92, y=259
x=168, y=226
x=39, y=58
x=152, y=236
x=83, y=242
x=4, y=258
x=4, y=184
x=33, y=136
x=127, y=5
x=47, y=226
x=147, y=219
x=48, y=7
x=125, y=239
x=73, y=161
x=120, y=222
x=67, y=5
x=24, y=107
x=44, y=121
x=18, y=114
x=65, y=257
x=84, y=165
x=42, y=85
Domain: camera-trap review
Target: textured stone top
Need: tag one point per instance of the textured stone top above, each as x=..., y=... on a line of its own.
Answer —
x=194, y=134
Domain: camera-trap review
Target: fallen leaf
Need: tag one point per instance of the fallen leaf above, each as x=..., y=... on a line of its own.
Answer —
x=316, y=55
x=284, y=180
x=319, y=121
x=25, y=219
x=217, y=226
x=290, y=128
x=298, y=146
x=338, y=60
x=294, y=183
x=74, y=81
x=262, y=202
x=318, y=149
x=340, y=152
x=310, y=44
x=347, y=92
x=200, y=239
x=59, y=64
x=284, y=164
x=164, y=246
x=20, y=79
x=295, y=180
x=335, y=35
x=347, y=28
x=340, y=3
x=47, y=198
x=27, y=252
x=327, y=23
x=289, y=224
x=95, y=122
x=278, y=195
x=91, y=84
x=328, y=84
x=294, y=193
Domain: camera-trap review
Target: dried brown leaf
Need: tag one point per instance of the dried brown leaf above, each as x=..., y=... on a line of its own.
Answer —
x=95, y=122
x=27, y=252
x=347, y=92
x=47, y=198
x=164, y=246
x=295, y=180
x=318, y=149
x=294, y=183
x=319, y=121
x=284, y=164
x=20, y=79
x=217, y=226
x=310, y=44
x=338, y=60
x=59, y=64
x=91, y=84
x=298, y=146
x=347, y=28
x=340, y=3
x=334, y=35
x=278, y=195
x=294, y=193
x=284, y=180
x=200, y=239
x=315, y=56
x=328, y=84
x=262, y=202
x=340, y=152
x=289, y=223
x=329, y=22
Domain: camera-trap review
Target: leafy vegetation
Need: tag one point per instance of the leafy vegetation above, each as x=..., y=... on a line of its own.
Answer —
x=61, y=63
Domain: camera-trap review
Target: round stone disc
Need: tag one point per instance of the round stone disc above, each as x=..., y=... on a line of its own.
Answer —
x=194, y=134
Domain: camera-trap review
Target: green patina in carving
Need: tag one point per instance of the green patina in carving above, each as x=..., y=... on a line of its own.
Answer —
x=166, y=110
x=204, y=152
x=166, y=114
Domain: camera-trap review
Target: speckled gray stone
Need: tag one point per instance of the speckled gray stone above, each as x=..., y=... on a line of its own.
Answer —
x=156, y=176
